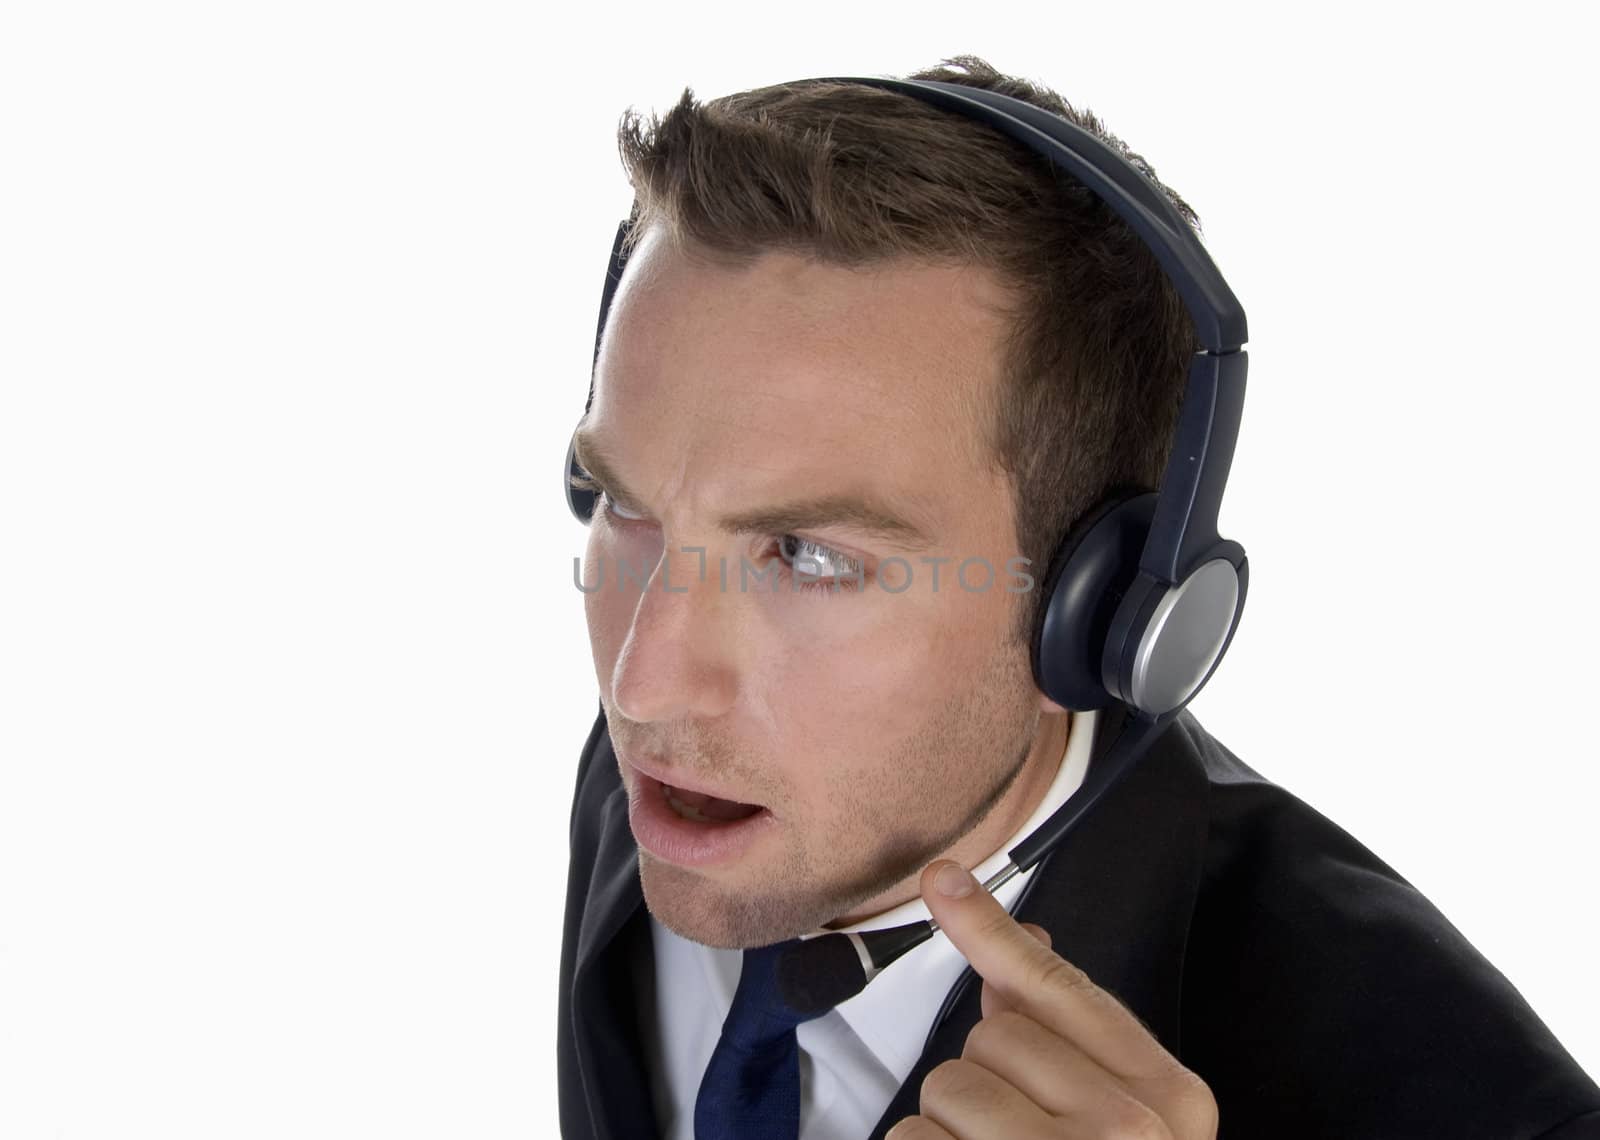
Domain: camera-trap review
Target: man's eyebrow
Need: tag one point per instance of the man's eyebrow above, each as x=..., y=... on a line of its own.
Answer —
x=853, y=512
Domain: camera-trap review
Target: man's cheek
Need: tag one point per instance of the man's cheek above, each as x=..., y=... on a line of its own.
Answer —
x=856, y=703
x=607, y=632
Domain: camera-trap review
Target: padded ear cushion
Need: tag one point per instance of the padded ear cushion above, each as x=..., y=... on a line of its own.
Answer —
x=1091, y=570
x=579, y=502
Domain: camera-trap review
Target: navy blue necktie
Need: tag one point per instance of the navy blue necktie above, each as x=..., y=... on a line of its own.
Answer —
x=751, y=1086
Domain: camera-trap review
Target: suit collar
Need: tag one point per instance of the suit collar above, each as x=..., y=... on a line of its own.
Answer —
x=614, y=892
x=613, y=942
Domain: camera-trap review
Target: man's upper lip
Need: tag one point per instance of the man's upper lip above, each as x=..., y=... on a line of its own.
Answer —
x=665, y=775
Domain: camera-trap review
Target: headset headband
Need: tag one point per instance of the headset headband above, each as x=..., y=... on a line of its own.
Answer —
x=1218, y=318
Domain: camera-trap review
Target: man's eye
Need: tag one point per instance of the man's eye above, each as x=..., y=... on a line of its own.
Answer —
x=612, y=509
x=814, y=566
x=821, y=564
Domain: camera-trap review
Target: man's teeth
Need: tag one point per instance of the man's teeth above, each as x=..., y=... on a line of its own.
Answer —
x=684, y=809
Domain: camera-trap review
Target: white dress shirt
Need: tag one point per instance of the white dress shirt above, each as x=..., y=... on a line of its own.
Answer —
x=854, y=1058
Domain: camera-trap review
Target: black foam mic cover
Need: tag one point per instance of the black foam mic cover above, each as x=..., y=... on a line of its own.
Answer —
x=819, y=973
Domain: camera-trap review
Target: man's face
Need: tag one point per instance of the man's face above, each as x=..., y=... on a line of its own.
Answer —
x=878, y=727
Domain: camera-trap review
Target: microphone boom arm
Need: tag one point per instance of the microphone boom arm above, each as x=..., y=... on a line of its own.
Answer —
x=821, y=972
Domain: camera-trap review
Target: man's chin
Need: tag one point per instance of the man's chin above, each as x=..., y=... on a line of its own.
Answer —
x=712, y=913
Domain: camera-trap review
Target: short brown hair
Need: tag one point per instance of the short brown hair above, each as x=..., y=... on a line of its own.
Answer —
x=1100, y=342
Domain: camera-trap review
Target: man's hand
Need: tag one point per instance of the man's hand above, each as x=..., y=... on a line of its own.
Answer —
x=1053, y=1055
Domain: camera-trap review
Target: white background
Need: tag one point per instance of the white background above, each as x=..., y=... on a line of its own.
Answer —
x=296, y=310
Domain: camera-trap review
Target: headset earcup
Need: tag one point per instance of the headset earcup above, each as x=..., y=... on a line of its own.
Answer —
x=579, y=501
x=1167, y=640
x=1091, y=570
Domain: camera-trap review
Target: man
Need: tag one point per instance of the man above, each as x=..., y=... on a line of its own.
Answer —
x=860, y=341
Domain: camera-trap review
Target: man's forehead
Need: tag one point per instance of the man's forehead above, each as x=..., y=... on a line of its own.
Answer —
x=860, y=361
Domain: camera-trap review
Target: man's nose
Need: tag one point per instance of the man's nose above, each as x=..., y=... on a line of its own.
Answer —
x=678, y=659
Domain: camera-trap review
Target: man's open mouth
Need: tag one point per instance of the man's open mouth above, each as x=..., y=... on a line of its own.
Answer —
x=701, y=808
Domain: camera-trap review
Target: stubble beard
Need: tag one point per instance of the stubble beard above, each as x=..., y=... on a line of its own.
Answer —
x=704, y=911
x=1000, y=706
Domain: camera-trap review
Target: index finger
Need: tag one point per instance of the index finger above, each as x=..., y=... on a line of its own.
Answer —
x=1035, y=980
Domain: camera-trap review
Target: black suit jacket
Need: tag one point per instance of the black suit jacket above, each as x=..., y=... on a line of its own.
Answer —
x=1315, y=991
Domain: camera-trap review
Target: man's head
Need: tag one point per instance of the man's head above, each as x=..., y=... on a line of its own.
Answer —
x=906, y=328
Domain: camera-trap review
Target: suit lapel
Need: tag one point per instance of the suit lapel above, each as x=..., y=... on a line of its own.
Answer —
x=613, y=942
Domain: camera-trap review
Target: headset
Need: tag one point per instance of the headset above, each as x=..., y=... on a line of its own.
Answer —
x=1143, y=595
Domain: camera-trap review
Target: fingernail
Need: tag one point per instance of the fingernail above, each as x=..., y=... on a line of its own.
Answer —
x=954, y=881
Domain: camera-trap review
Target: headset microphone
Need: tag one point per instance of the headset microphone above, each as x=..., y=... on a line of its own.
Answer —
x=1143, y=595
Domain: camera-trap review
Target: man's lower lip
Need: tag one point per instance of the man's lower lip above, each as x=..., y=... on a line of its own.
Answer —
x=667, y=835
